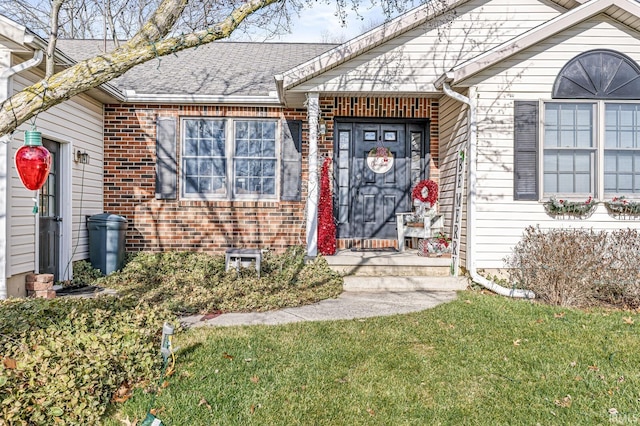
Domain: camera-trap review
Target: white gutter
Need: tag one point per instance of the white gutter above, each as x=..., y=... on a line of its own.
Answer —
x=472, y=147
x=5, y=91
x=270, y=100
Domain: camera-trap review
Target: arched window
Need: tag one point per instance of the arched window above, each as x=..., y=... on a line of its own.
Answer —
x=589, y=142
x=598, y=74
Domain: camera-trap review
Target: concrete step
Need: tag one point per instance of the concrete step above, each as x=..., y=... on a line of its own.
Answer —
x=356, y=283
x=388, y=264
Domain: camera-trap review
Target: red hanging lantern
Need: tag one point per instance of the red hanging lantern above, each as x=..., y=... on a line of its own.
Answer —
x=33, y=161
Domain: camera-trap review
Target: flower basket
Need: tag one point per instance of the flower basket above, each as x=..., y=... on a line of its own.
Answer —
x=621, y=207
x=437, y=246
x=564, y=208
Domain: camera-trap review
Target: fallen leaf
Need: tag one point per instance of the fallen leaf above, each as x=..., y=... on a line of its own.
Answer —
x=613, y=411
x=164, y=385
x=248, y=359
x=468, y=302
x=123, y=393
x=573, y=363
x=128, y=422
x=628, y=320
x=564, y=402
x=578, y=378
x=227, y=356
x=539, y=321
x=342, y=380
x=252, y=409
x=211, y=315
x=371, y=412
x=621, y=379
x=9, y=363
x=255, y=379
x=516, y=342
x=205, y=403
x=594, y=368
x=560, y=315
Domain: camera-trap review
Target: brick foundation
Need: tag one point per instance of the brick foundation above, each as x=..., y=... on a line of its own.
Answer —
x=40, y=285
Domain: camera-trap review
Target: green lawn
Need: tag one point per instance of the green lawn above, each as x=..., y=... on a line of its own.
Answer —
x=479, y=360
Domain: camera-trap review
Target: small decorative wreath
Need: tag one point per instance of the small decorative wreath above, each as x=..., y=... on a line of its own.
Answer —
x=425, y=191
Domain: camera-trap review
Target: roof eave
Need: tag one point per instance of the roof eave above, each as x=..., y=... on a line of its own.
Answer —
x=539, y=33
x=130, y=96
x=364, y=42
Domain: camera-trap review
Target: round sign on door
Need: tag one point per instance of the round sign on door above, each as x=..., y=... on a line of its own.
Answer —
x=380, y=162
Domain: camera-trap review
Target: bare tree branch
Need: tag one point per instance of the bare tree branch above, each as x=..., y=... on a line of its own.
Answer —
x=147, y=44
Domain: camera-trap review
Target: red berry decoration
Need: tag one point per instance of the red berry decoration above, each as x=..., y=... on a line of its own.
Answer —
x=33, y=161
x=326, y=222
x=429, y=196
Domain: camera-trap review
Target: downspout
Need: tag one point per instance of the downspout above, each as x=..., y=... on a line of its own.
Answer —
x=5, y=90
x=472, y=146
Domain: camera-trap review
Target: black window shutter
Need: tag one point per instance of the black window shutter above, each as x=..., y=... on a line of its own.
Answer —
x=291, y=182
x=525, y=170
x=166, y=163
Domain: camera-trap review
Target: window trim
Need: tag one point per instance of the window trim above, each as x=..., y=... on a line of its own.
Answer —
x=230, y=143
x=599, y=132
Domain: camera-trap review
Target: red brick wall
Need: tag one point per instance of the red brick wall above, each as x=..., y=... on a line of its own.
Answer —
x=213, y=226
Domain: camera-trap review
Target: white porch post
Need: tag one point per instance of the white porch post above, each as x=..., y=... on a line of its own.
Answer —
x=313, y=110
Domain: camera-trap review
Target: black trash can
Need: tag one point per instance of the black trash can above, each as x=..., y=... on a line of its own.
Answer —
x=107, y=241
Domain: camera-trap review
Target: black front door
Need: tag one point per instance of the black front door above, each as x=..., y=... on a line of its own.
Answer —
x=50, y=220
x=377, y=193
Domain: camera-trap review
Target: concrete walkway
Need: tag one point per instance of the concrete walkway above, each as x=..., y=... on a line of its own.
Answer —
x=348, y=305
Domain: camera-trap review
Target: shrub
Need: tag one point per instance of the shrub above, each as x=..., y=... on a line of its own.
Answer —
x=578, y=267
x=195, y=282
x=84, y=273
x=63, y=359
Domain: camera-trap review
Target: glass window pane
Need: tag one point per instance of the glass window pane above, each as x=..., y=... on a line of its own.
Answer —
x=625, y=162
x=584, y=138
x=551, y=138
x=582, y=162
x=191, y=128
x=625, y=182
x=205, y=167
x=610, y=162
x=242, y=168
x=269, y=148
x=191, y=166
x=565, y=182
x=583, y=183
x=242, y=148
x=610, y=182
x=550, y=183
x=269, y=130
x=191, y=147
x=205, y=148
x=219, y=167
x=254, y=149
x=550, y=161
x=269, y=186
x=191, y=185
x=205, y=185
x=565, y=161
x=268, y=168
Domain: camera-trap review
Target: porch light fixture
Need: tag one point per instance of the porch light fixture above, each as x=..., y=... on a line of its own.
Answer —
x=33, y=161
x=82, y=157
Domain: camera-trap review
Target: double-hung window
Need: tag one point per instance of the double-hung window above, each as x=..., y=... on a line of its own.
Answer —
x=229, y=158
x=591, y=149
x=569, y=148
x=622, y=149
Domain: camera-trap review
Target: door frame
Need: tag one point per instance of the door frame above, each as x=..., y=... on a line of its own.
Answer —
x=343, y=148
x=65, y=146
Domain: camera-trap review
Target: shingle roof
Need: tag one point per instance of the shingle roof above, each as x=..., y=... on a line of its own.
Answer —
x=219, y=68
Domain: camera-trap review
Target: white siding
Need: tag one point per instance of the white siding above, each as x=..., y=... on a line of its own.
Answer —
x=411, y=62
x=529, y=75
x=79, y=123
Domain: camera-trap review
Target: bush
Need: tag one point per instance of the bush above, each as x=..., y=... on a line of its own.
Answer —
x=195, y=282
x=63, y=359
x=578, y=267
x=84, y=273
